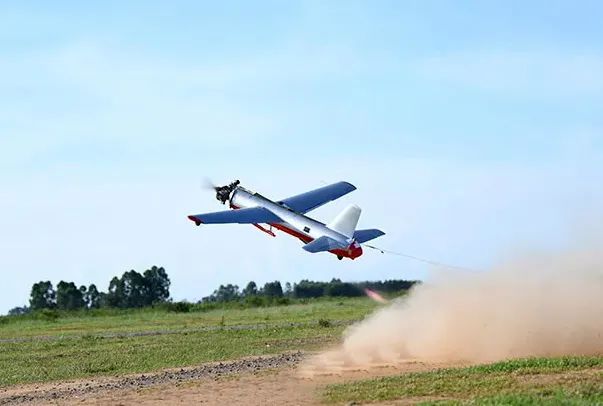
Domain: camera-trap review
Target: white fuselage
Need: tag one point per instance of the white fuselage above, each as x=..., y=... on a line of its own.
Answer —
x=305, y=226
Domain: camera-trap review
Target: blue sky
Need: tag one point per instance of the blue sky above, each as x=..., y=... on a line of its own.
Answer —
x=471, y=130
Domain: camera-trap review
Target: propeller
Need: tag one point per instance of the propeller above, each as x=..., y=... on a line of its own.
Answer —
x=222, y=192
x=208, y=184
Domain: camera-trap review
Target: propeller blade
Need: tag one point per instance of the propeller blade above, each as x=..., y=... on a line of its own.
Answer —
x=207, y=184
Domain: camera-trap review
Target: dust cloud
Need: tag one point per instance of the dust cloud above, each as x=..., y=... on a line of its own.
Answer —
x=538, y=305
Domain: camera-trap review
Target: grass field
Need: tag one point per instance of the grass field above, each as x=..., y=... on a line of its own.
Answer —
x=141, y=320
x=62, y=346
x=83, y=345
x=567, y=380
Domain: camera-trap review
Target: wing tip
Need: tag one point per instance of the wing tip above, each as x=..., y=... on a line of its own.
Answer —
x=351, y=187
x=194, y=219
x=378, y=233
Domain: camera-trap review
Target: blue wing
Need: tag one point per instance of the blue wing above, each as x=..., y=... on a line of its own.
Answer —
x=311, y=200
x=366, y=235
x=242, y=216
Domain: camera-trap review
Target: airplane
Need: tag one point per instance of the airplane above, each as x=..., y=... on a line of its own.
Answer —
x=338, y=237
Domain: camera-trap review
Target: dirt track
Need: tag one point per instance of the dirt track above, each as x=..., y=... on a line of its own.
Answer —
x=272, y=380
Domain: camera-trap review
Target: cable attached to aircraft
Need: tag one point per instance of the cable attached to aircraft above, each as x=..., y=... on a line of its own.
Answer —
x=339, y=237
x=424, y=260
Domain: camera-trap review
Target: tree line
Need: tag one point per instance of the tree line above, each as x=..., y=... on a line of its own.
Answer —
x=132, y=290
x=306, y=289
x=150, y=288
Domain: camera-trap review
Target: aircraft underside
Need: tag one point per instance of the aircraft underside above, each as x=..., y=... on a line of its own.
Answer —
x=352, y=252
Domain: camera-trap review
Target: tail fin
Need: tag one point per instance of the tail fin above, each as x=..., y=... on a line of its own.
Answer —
x=345, y=223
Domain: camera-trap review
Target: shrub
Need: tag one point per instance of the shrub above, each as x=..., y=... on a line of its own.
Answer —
x=324, y=323
x=283, y=301
x=179, y=307
x=48, y=315
x=255, y=301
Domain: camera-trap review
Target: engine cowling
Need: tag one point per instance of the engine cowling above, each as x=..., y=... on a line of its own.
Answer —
x=223, y=192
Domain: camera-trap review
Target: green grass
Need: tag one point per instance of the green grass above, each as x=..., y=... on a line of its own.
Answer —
x=587, y=394
x=565, y=380
x=84, y=357
x=140, y=320
x=75, y=345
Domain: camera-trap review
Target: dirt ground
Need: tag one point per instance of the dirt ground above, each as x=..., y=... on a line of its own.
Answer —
x=274, y=380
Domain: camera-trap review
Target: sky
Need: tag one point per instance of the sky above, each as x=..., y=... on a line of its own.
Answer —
x=472, y=131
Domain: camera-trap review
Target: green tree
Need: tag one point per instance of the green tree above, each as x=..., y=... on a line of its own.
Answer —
x=69, y=297
x=288, y=289
x=103, y=300
x=127, y=291
x=338, y=288
x=115, y=296
x=273, y=289
x=134, y=290
x=137, y=290
x=157, y=285
x=225, y=293
x=394, y=285
x=16, y=311
x=42, y=296
x=92, y=297
x=251, y=289
x=307, y=289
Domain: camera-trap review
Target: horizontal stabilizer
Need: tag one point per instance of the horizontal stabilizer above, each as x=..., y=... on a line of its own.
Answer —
x=366, y=235
x=323, y=243
x=252, y=215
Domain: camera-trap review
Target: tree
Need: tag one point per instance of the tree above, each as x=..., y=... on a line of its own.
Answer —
x=288, y=289
x=134, y=290
x=338, y=288
x=131, y=290
x=307, y=289
x=273, y=289
x=128, y=291
x=16, y=311
x=115, y=296
x=42, y=296
x=251, y=289
x=157, y=285
x=69, y=297
x=137, y=290
x=225, y=293
x=92, y=297
x=115, y=293
x=103, y=300
x=394, y=285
